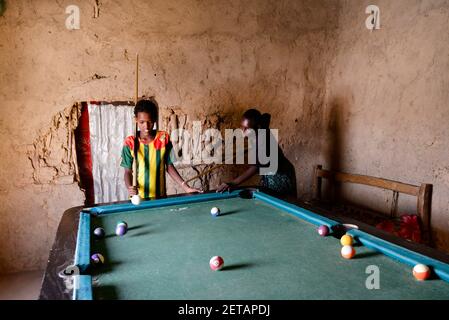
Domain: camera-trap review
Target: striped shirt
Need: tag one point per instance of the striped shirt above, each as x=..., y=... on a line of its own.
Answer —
x=152, y=158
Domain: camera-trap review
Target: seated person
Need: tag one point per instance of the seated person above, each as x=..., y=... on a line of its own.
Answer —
x=283, y=182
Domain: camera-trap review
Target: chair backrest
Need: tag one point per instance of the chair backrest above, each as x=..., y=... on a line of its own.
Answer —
x=422, y=192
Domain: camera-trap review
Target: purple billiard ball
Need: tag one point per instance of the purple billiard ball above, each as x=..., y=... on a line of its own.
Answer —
x=121, y=230
x=323, y=230
x=122, y=223
x=99, y=233
x=97, y=258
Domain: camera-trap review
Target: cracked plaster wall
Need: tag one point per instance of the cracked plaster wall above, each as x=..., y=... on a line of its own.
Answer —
x=205, y=57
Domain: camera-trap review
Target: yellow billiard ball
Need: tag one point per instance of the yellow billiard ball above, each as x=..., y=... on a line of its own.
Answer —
x=346, y=240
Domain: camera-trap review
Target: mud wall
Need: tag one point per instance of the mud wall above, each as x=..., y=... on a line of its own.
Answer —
x=365, y=102
x=203, y=57
x=387, y=109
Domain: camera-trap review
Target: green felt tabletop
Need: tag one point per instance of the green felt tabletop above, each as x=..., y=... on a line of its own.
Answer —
x=268, y=254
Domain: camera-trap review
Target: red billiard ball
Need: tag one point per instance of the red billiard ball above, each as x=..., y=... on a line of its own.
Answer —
x=216, y=263
x=323, y=231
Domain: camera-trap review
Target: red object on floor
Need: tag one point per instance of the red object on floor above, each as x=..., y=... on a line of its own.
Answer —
x=407, y=227
x=410, y=228
x=386, y=225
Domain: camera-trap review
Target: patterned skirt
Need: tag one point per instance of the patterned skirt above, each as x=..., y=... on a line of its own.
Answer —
x=280, y=183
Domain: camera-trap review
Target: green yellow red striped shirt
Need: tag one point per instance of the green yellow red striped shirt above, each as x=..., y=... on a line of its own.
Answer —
x=152, y=158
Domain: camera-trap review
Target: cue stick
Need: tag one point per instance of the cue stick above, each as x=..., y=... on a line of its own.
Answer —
x=215, y=167
x=136, y=139
x=205, y=172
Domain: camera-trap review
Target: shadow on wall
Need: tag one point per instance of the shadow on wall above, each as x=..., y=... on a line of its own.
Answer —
x=335, y=144
x=2, y=7
x=365, y=199
x=349, y=194
x=440, y=236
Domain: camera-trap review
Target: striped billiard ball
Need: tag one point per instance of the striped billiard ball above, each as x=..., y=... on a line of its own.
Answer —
x=216, y=263
x=347, y=252
x=421, y=272
x=97, y=258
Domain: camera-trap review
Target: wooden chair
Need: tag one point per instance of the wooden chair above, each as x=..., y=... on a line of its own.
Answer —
x=422, y=192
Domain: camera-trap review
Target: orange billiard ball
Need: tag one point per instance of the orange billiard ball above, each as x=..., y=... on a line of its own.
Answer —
x=421, y=272
x=347, y=252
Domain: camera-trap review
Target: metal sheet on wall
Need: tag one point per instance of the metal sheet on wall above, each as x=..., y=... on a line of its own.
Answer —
x=109, y=126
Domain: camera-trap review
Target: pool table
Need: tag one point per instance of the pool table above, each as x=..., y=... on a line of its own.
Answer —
x=270, y=246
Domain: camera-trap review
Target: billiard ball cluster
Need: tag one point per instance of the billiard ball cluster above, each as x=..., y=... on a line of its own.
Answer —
x=347, y=250
x=99, y=233
x=420, y=271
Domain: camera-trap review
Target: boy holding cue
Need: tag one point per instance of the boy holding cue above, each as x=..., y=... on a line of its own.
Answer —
x=153, y=156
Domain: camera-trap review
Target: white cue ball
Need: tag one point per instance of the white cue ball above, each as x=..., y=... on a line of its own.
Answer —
x=215, y=211
x=135, y=199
